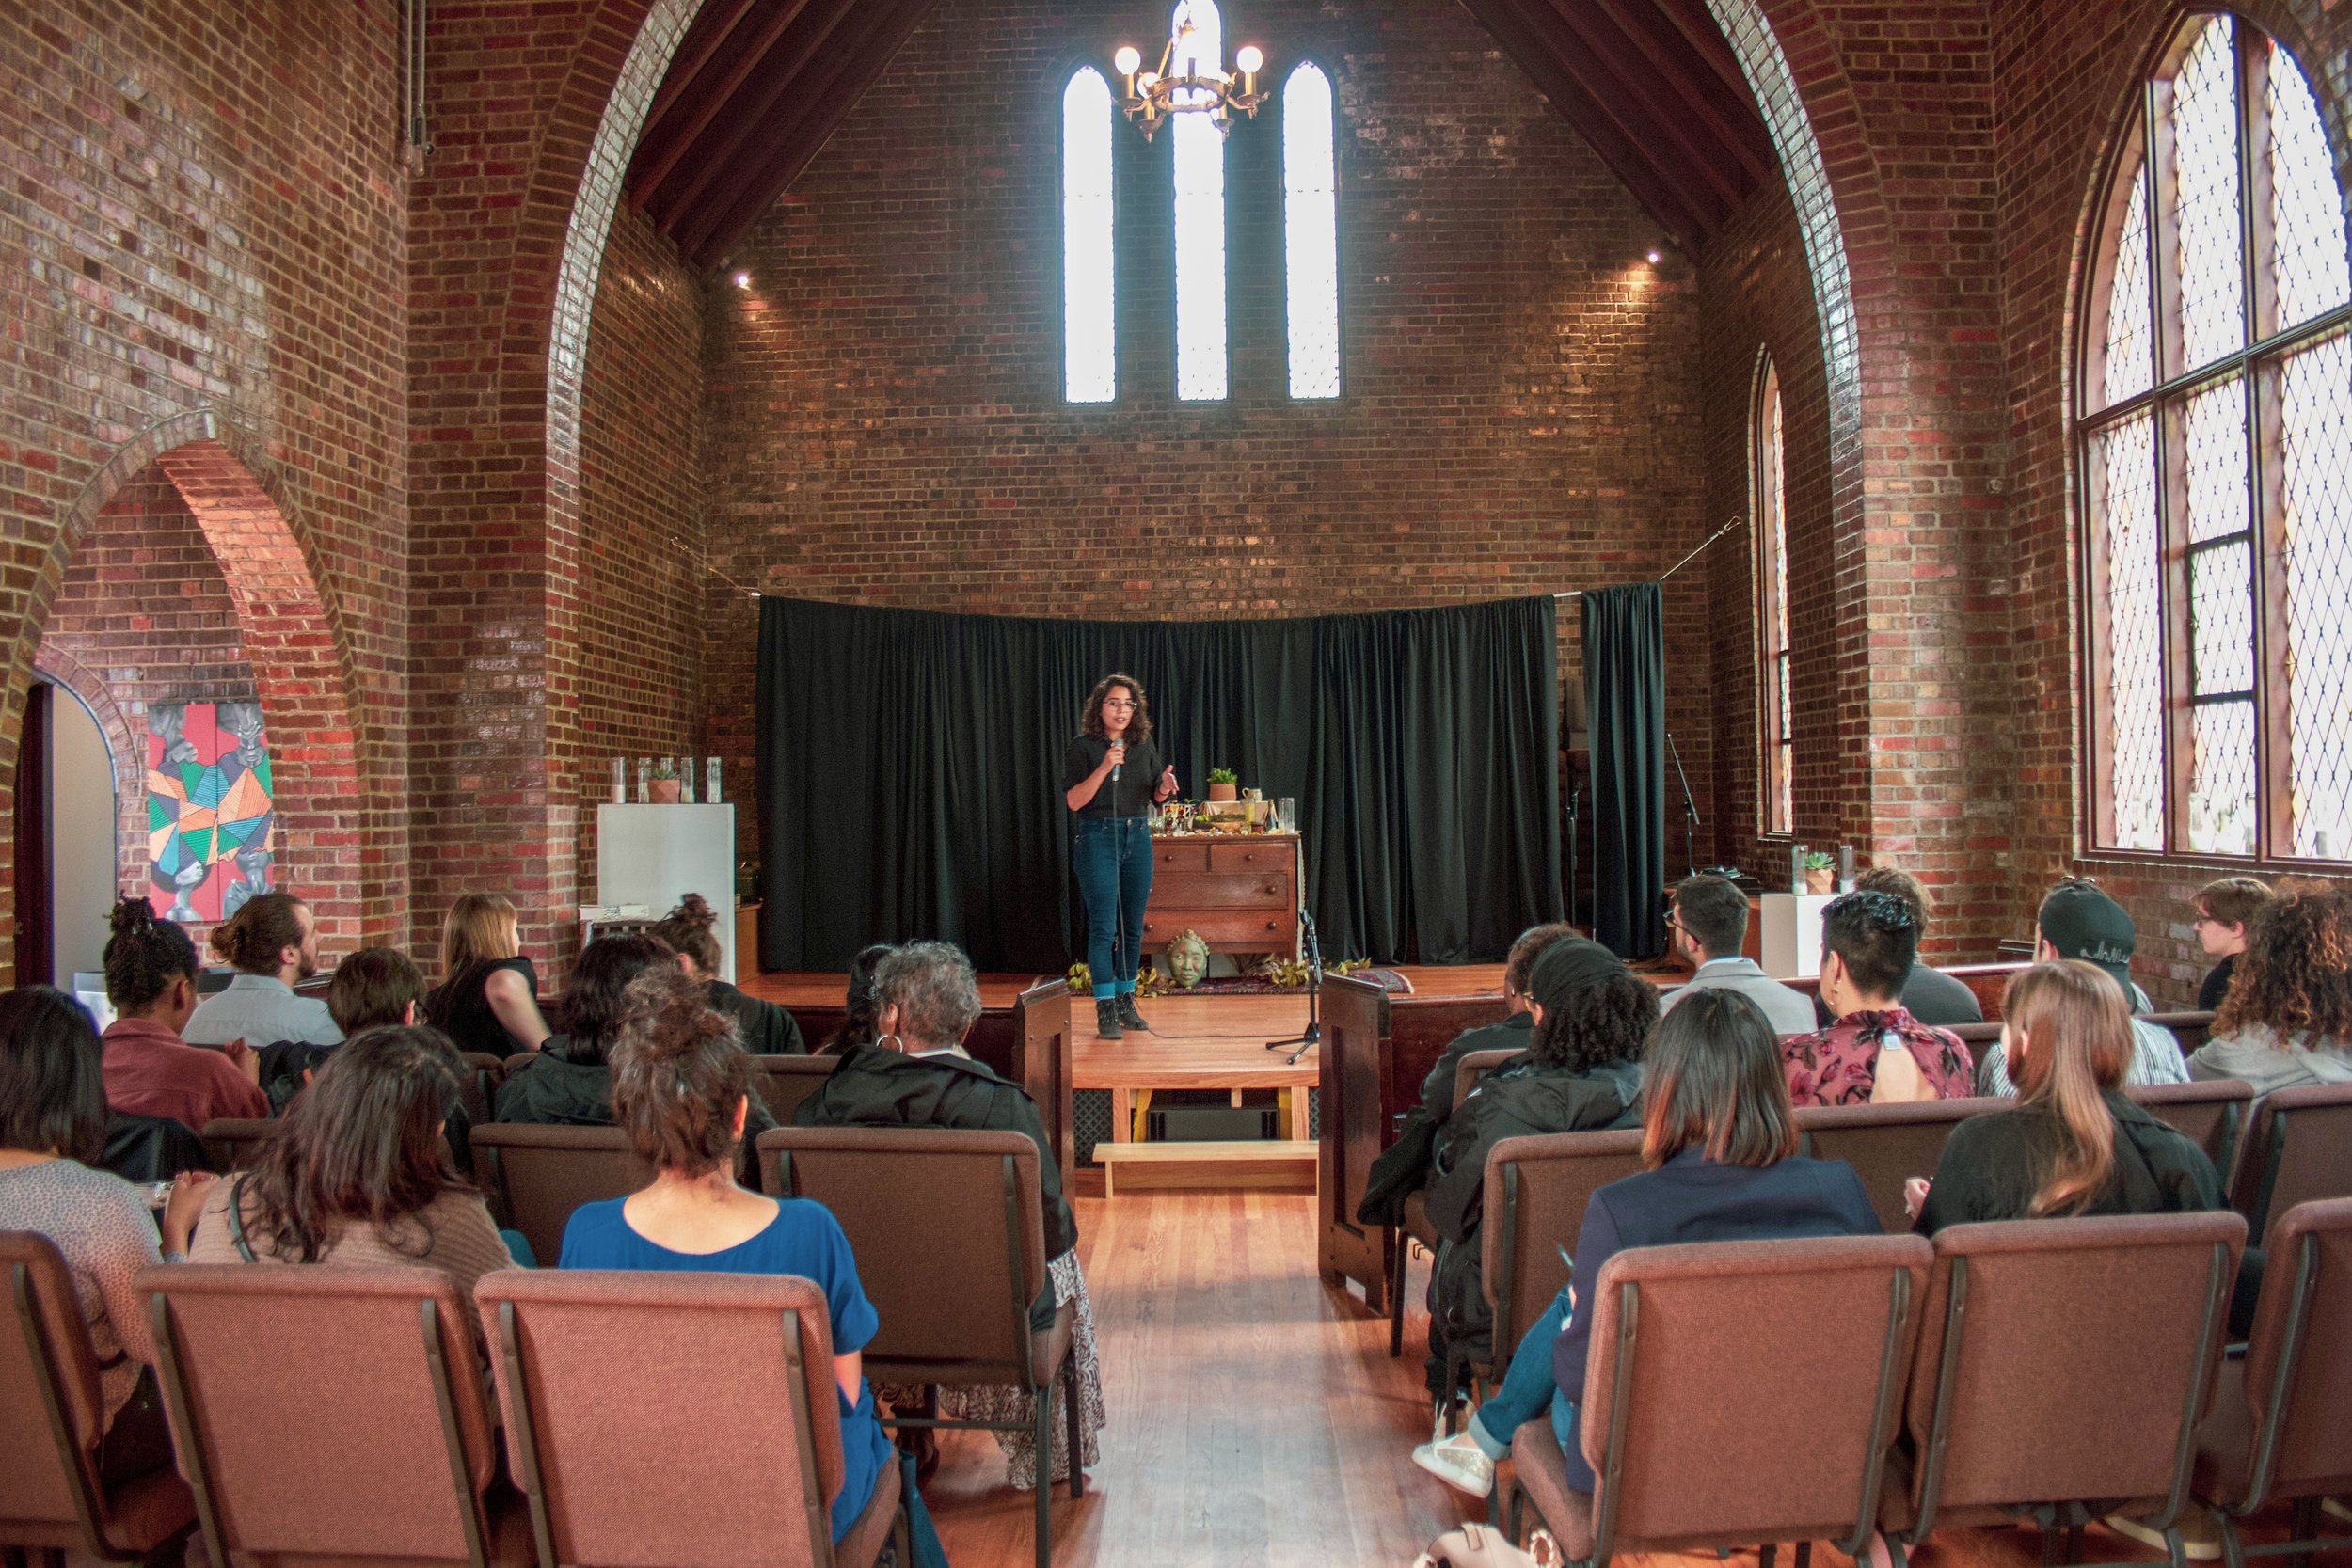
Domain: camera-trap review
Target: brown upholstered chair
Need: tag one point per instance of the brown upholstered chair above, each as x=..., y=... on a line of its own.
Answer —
x=2299, y=1148
x=1887, y=1144
x=951, y=1243
x=790, y=1080
x=2063, y=1367
x=2190, y=1029
x=535, y=1177
x=50, y=1496
x=1414, y=1228
x=2282, y=1422
x=235, y=1142
x=1531, y=1214
x=2213, y=1114
x=516, y=1063
x=607, y=1378
x=479, y=1085
x=330, y=1415
x=1809, y=1339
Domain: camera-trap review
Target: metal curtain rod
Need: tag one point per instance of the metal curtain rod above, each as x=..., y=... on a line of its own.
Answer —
x=1728, y=525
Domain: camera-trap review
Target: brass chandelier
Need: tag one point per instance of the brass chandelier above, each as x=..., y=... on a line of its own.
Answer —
x=1197, y=87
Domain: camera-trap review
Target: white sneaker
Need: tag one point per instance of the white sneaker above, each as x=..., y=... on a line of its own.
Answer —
x=2200, y=1538
x=1459, y=1463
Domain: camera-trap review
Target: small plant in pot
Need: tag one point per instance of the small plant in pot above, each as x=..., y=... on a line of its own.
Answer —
x=1222, y=784
x=1821, y=872
x=665, y=785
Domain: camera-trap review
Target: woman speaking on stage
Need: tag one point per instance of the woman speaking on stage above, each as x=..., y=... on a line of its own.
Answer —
x=1115, y=775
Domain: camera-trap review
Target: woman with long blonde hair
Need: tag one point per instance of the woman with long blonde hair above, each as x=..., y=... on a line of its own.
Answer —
x=488, y=998
x=2076, y=1144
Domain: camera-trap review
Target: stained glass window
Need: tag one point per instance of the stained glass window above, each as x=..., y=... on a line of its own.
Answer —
x=1089, y=334
x=1199, y=156
x=2217, y=466
x=1771, y=577
x=1310, y=240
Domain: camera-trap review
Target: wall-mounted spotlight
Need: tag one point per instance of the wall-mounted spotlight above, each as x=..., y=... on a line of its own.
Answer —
x=744, y=279
x=1655, y=258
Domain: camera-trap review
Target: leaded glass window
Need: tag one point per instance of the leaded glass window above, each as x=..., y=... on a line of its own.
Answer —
x=1200, y=157
x=1090, y=332
x=1771, y=578
x=2215, y=429
x=1310, y=240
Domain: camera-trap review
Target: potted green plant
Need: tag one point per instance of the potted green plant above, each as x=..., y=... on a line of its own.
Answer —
x=1222, y=784
x=1821, y=872
x=664, y=785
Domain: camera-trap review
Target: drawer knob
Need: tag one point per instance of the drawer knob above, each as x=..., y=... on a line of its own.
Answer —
x=1269, y=925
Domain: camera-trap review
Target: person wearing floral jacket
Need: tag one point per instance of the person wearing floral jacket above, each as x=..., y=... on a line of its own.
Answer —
x=1875, y=1050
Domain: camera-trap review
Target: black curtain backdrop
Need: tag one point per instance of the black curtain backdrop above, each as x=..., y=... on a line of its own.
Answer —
x=910, y=772
x=1625, y=697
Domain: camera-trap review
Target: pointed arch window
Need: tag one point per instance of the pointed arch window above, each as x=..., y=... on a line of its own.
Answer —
x=1771, y=607
x=1089, y=318
x=1199, y=174
x=2213, y=432
x=1311, y=238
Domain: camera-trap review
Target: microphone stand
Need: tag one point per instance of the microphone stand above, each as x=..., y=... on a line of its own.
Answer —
x=1689, y=808
x=1313, y=1036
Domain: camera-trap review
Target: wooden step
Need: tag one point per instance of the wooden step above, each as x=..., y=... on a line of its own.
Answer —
x=1282, y=1163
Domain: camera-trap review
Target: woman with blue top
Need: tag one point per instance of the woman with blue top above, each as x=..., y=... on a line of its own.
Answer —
x=1719, y=1141
x=1112, y=777
x=681, y=1085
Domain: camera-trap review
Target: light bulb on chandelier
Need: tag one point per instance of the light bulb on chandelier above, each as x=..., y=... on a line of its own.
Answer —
x=1198, y=85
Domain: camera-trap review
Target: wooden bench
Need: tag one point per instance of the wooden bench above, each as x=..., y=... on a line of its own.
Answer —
x=1285, y=1163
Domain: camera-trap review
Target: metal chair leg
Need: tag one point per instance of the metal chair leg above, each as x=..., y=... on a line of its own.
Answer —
x=1766, y=1553
x=1073, y=1421
x=1804, y=1554
x=1043, y=1479
x=1396, y=1295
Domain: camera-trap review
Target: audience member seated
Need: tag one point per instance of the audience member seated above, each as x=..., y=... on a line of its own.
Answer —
x=2078, y=921
x=1876, y=1051
x=488, y=998
x=569, y=1082
x=1582, y=1073
x=53, y=1123
x=1720, y=1143
x=151, y=1070
x=857, y=1019
x=271, y=942
x=766, y=1029
x=1404, y=1167
x=681, y=1089
x=1928, y=995
x=2225, y=907
x=1708, y=922
x=2287, y=1020
x=373, y=987
x=360, y=1173
x=917, y=1075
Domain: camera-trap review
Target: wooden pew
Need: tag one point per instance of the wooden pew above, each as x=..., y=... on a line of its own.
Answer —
x=1987, y=981
x=1376, y=1049
x=1028, y=1044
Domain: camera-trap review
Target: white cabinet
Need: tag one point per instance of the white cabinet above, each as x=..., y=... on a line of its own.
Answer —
x=656, y=855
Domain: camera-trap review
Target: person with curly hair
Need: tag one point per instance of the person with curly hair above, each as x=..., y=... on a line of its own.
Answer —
x=150, y=1070
x=2287, y=1020
x=1110, y=797
x=768, y=1030
x=1581, y=1073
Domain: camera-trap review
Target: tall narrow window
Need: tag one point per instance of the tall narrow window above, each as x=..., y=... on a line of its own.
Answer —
x=1772, y=610
x=1089, y=333
x=1200, y=157
x=1310, y=241
x=2215, y=429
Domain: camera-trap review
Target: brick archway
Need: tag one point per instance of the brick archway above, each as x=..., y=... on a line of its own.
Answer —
x=301, y=657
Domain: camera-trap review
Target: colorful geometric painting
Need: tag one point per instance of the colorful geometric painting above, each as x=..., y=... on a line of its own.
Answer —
x=209, y=823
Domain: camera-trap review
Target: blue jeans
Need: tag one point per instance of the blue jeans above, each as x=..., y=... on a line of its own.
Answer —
x=1113, y=859
x=1528, y=1390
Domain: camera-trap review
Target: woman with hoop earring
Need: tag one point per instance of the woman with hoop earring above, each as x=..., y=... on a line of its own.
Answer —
x=1114, y=777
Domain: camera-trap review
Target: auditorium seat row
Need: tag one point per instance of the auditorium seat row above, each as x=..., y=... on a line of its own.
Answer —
x=332, y=1413
x=2043, y=1371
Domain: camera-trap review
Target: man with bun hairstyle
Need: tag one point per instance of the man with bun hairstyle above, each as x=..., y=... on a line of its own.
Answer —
x=272, y=942
x=766, y=1029
x=150, y=1068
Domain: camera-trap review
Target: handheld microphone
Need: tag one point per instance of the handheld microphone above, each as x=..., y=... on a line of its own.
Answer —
x=1116, y=765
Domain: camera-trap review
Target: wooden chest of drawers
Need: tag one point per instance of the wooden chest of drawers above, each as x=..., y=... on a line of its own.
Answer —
x=1240, y=893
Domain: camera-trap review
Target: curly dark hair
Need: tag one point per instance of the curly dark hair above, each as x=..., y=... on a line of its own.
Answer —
x=594, y=1001
x=144, y=956
x=362, y=1144
x=2296, y=973
x=1605, y=1023
x=1139, y=727
x=688, y=929
x=679, y=1070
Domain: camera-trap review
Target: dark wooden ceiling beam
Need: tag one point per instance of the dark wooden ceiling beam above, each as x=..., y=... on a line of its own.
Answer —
x=856, y=65
x=1590, y=37
x=1734, y=122
x=1527, y=48
x=747, y=113
x=1696, y=24
x=660, y=154
x=704, y=39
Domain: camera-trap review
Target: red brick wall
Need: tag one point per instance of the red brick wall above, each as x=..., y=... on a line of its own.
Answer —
x=1523, y=406
x=201, y=214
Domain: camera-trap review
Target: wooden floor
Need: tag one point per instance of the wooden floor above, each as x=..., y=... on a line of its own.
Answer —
x=1255, y=1417
x=785, y=986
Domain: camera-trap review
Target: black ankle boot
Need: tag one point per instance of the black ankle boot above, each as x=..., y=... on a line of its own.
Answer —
x=1129, y=1016
x=1106, y=1018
